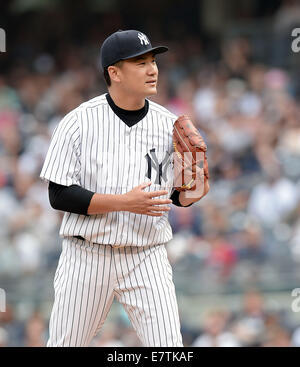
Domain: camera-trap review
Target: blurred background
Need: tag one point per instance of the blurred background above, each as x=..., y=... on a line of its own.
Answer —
x=236, y=253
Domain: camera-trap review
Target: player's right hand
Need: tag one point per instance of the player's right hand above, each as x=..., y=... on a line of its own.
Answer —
x=141, y=202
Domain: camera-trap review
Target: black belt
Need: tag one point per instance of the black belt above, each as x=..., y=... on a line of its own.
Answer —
x=79, y=238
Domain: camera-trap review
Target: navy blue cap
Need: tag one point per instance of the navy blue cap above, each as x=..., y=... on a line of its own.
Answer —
x=123, y=45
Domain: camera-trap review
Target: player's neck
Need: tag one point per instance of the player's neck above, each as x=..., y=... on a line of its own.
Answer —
x=125, y=101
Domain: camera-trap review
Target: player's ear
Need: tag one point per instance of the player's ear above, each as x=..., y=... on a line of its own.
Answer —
x=114, y=73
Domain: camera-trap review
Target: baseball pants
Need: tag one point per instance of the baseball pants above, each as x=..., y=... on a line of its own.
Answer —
x=89, y=276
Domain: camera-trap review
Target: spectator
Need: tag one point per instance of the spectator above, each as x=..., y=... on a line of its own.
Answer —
x=214, y=334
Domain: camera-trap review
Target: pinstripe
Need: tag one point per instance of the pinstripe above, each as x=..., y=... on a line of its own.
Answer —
x=103, y=308
x=58, y=273
x=160, y=272
x=170, y=281
x=56, y=136
x=70, y=294
x=132, y=185
x=124, y=174
x=74, y=304
x=64, y=287
x=120, y=168
x=90, y=124
x=171, y=289
x=73, y=218
x=105, y=186
x=79, y=317
x=154, y=218
x=58, y=276
x=58, y=166
x=87, y=298
x=58, y=289
x=147, y=217
x=134, y=305
x=75, y=170
x=141, y=297
x=153, y=298
x=85, y=154
x=91, y=185
x=75, y=225
x=160, y=302
x=128, y=174
x=90, y=325
x=65, y=222
x=113, y=164
x=95, y=188
x=165, y=146
x=91, y=144
x=119, y=285
x=66, y=155
x=138, y=230
x=85, y=146
x=100, y=294
x=156, y=287
x=109, y=214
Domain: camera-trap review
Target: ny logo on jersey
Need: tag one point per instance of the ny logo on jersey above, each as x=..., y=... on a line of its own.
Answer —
x=160, y=168
x=143, y=39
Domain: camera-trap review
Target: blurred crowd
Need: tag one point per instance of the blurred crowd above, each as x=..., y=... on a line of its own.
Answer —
x=246, y=232
x=247, y=228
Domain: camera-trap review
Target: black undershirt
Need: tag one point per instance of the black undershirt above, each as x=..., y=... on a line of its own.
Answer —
x=75, y=199
x=129, y=117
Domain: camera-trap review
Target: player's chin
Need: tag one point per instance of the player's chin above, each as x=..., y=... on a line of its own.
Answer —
x=151, y=90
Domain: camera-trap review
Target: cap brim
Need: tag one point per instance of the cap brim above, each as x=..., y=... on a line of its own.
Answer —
x=155, y=50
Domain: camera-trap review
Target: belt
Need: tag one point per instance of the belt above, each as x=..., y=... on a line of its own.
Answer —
x=83, y=239
x=79, y=238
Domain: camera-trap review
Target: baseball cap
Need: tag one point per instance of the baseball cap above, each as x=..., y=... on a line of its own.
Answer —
x=123, y=45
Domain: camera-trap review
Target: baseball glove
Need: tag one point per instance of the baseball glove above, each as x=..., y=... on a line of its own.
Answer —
x=190, y=163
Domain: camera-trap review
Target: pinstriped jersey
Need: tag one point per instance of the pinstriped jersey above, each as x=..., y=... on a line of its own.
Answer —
x=93, y=148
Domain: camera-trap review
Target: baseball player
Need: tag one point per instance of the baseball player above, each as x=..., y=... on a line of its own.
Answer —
x=108, y=168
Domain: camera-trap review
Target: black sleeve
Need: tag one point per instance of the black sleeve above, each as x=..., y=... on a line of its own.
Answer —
x=72, y=199
x=175, y=198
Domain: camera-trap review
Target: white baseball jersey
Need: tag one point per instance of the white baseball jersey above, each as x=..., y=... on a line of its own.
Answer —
x=93, y=148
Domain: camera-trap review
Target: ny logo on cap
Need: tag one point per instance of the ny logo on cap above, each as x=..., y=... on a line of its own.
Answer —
x=143, y=39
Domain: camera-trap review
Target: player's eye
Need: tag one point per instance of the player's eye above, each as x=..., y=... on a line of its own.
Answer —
x=142, y=63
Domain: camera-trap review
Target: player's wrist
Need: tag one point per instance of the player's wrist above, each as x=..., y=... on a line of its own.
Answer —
x=123, y=202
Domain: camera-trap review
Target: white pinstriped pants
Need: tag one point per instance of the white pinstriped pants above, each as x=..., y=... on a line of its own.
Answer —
x=89, y=276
